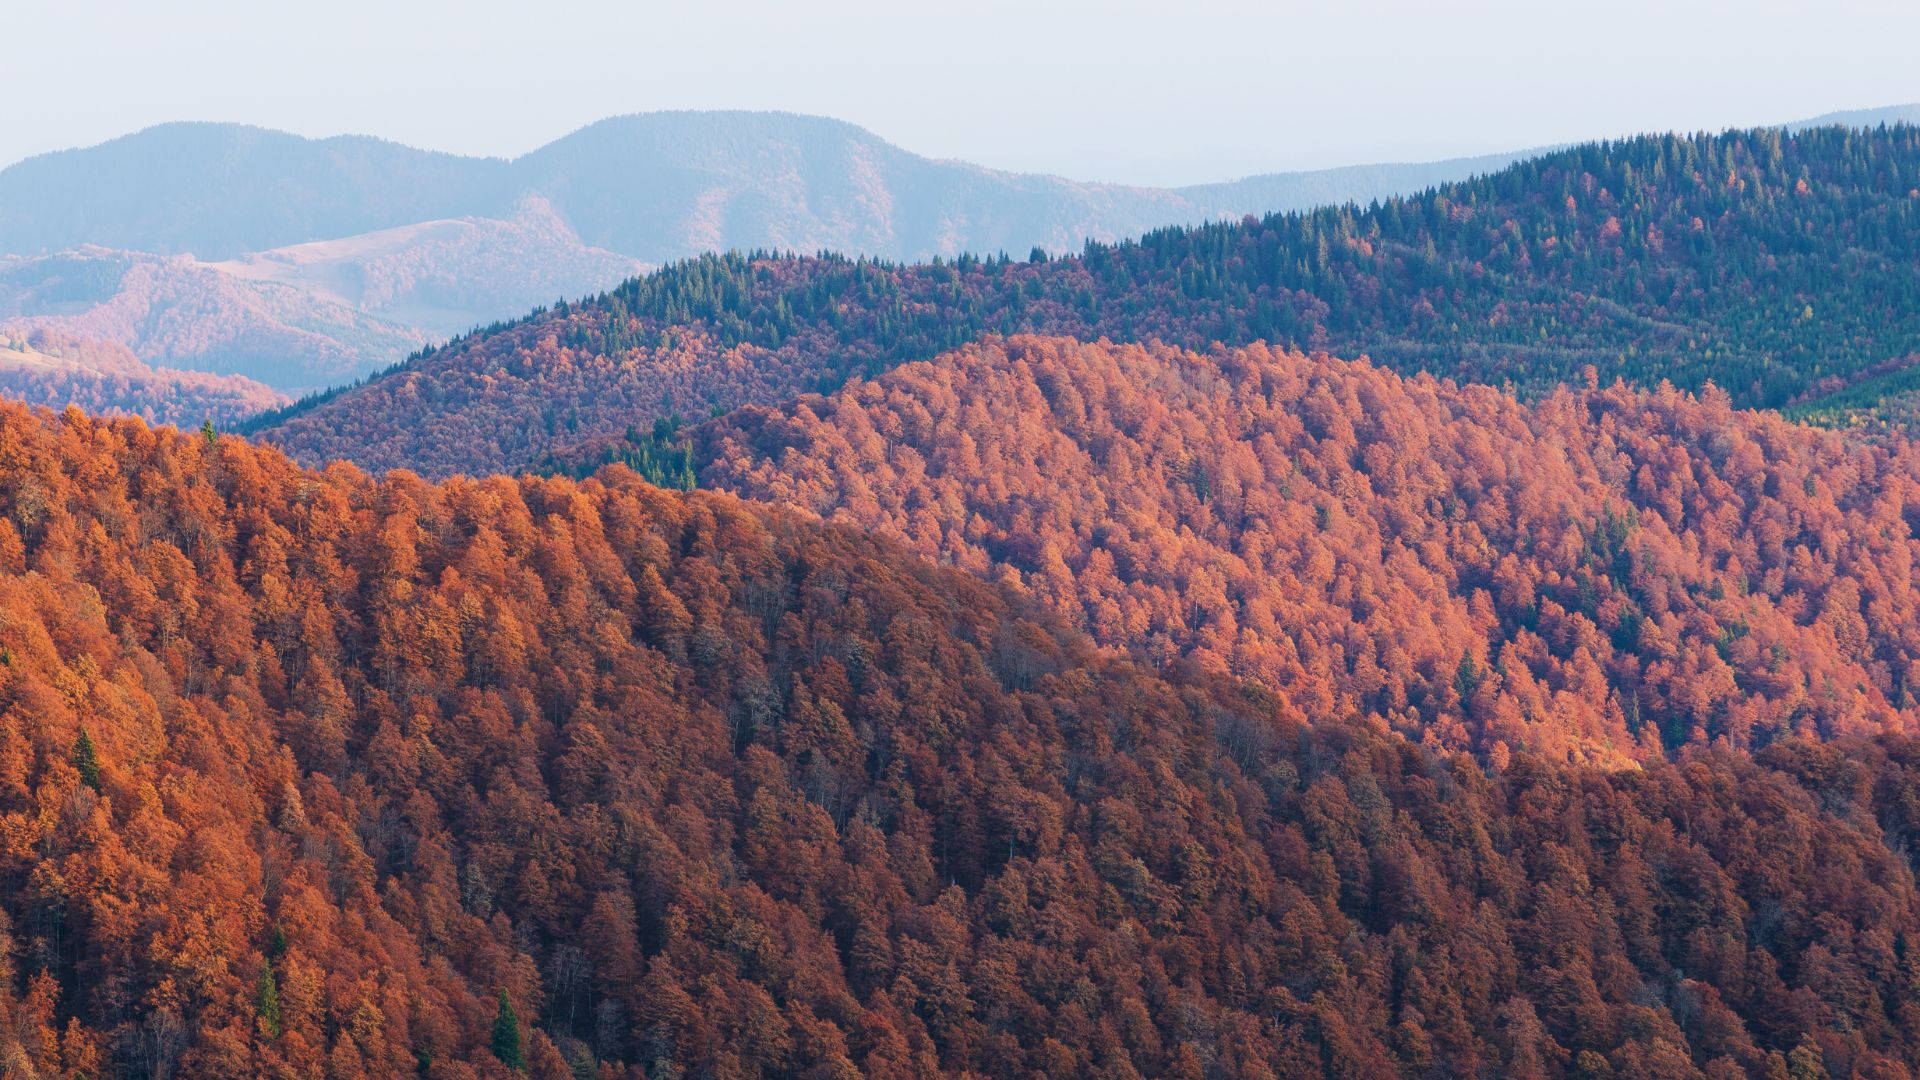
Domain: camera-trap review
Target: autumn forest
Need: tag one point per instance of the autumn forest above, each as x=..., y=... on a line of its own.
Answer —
x=1471, y=634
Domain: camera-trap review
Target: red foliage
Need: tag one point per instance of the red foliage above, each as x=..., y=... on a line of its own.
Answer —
x=715, y=789
x=1599, y=576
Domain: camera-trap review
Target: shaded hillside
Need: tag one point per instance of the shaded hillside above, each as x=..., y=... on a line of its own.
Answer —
x=1774, y=265
x=307, y=774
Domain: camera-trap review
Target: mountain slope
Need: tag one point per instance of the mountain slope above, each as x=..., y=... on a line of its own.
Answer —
x=306, y=317
x=308, y=774
x=444, y=277
x=45, y=369
x=177, y=313
x=1775, y=265
x=1599, y=576
x=391, y=246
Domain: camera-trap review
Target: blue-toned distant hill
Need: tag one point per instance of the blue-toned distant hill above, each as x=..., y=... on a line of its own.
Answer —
x=219, y=190
x=309, y=315
x=653, y=187
x=1891, y=114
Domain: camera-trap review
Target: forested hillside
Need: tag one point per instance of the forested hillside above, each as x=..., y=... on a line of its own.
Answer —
x=1776, y=265
x=1605, y=574
x=312, y=774
x=187, y=316
x=45, y=368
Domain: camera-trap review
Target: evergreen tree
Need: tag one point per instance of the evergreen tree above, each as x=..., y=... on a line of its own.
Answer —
x=506, y=1035
x=267, y=1002
x=86, y=761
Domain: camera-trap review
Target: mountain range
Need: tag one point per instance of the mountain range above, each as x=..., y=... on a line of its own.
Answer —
x=655, y=187
x=1387, y=640
x=304, y=263
x=1775, y=265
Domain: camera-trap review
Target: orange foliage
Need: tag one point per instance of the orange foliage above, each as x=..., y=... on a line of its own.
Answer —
x=1600, y=576
x=711, y=789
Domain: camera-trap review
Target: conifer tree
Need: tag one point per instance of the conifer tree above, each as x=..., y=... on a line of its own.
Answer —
x=506, y=1035
x=267, y=1002
x=86, y=761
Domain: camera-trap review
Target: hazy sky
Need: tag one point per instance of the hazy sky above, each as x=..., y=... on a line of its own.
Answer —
x=1150, y=93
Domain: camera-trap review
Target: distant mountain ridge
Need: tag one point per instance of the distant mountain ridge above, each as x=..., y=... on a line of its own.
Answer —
x=1777, y=266
x=218, y=190
x=307, y=263
x=181, y=314
x=446, y=276
x=651, y=186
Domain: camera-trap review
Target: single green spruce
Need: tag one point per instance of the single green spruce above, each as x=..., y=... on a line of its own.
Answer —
x=506, y=1035
x=267, y=1002
x=85, y=760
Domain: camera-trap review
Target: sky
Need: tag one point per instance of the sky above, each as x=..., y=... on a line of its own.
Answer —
x=1149, y=93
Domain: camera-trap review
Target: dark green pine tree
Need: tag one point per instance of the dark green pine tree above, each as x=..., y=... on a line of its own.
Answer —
x=266, y=1003
x=86, y=761
x=506, y=1035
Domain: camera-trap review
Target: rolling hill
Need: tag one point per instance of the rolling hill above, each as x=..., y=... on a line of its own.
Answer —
x=342, y=255
x=309, y=316
x=173, y=312
x=306, y=773
x=43, y=368
x=310, y=263
x=445, y=277
x=1776, y=265
x=1605, y=575
x=1129, y=699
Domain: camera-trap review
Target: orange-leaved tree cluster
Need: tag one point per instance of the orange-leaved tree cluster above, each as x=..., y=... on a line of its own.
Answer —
x=310, y=774
x=1602, y=575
